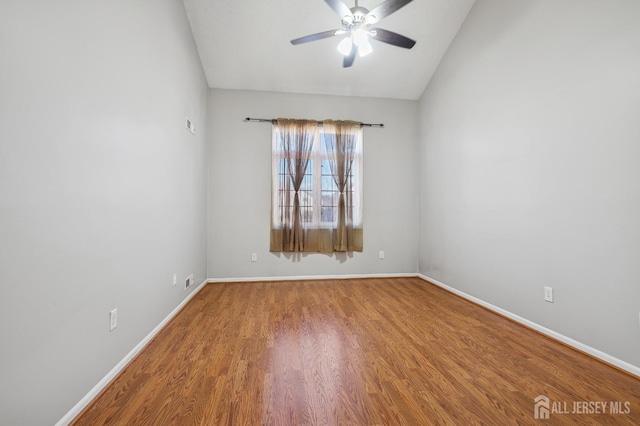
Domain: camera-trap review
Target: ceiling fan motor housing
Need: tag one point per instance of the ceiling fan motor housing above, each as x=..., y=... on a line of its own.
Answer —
x=359, y=16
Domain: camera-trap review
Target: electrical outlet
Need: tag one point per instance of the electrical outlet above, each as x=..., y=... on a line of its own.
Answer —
x=113, y=319
x=548, y=294
x=254, y=257
x=175, y=279
x=381, y=254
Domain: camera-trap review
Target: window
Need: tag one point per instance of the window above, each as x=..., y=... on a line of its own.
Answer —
x=318, y=186
x=322, y=163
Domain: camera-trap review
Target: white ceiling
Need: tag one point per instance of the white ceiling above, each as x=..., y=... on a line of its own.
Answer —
x=245, y=45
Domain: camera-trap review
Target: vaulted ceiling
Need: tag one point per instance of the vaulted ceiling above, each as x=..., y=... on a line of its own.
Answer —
x=246, y=45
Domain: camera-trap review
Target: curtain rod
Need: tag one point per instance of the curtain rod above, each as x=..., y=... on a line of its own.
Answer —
x=272, y=121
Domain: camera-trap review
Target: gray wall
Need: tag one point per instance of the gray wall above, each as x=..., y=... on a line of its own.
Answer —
x=240, y=184
x=530, y=175
x=102, y=190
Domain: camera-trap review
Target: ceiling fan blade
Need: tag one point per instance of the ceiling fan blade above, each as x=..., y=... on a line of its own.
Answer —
x=314, y=37
x=390, y=37
x=385, y=9
x=348, y=60
x=339, y=7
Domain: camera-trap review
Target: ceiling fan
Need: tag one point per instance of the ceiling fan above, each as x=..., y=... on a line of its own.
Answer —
x=357, y=25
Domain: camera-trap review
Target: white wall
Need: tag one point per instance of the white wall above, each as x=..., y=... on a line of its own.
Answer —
x=240, y=184
x=102, y=190
x=530, y=176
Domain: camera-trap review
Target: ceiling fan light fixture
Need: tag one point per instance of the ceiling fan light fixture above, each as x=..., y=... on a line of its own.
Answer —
x=345, y=46
x=361, y=39
x=364, y=48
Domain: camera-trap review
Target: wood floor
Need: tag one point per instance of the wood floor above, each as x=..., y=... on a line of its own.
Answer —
x=355, y=352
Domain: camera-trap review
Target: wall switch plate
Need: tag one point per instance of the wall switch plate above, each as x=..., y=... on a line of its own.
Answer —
x=548, y=294
x=381, y=254
x=175, y=279
x=113, y=319
x=254, y=257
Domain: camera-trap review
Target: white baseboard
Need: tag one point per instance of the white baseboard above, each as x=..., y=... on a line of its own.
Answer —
x=609, y=359
x=77, y=409
x=310, y=277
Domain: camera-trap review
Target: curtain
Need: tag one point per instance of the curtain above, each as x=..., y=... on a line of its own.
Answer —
x=294, y=139
x=340, y=143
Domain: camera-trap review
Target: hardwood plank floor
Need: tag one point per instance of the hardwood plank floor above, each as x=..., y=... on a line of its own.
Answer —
x=355, y=352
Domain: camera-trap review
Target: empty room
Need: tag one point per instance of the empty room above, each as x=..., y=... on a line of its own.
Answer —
x=319, y=212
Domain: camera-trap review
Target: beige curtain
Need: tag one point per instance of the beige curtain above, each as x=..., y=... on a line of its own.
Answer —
x=340, y=139
x=295, y=138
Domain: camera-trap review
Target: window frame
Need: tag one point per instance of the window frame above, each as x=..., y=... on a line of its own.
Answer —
x=314, y=169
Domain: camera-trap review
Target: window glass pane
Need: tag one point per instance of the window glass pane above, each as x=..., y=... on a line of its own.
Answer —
x=327, y=214
x=328, y=183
